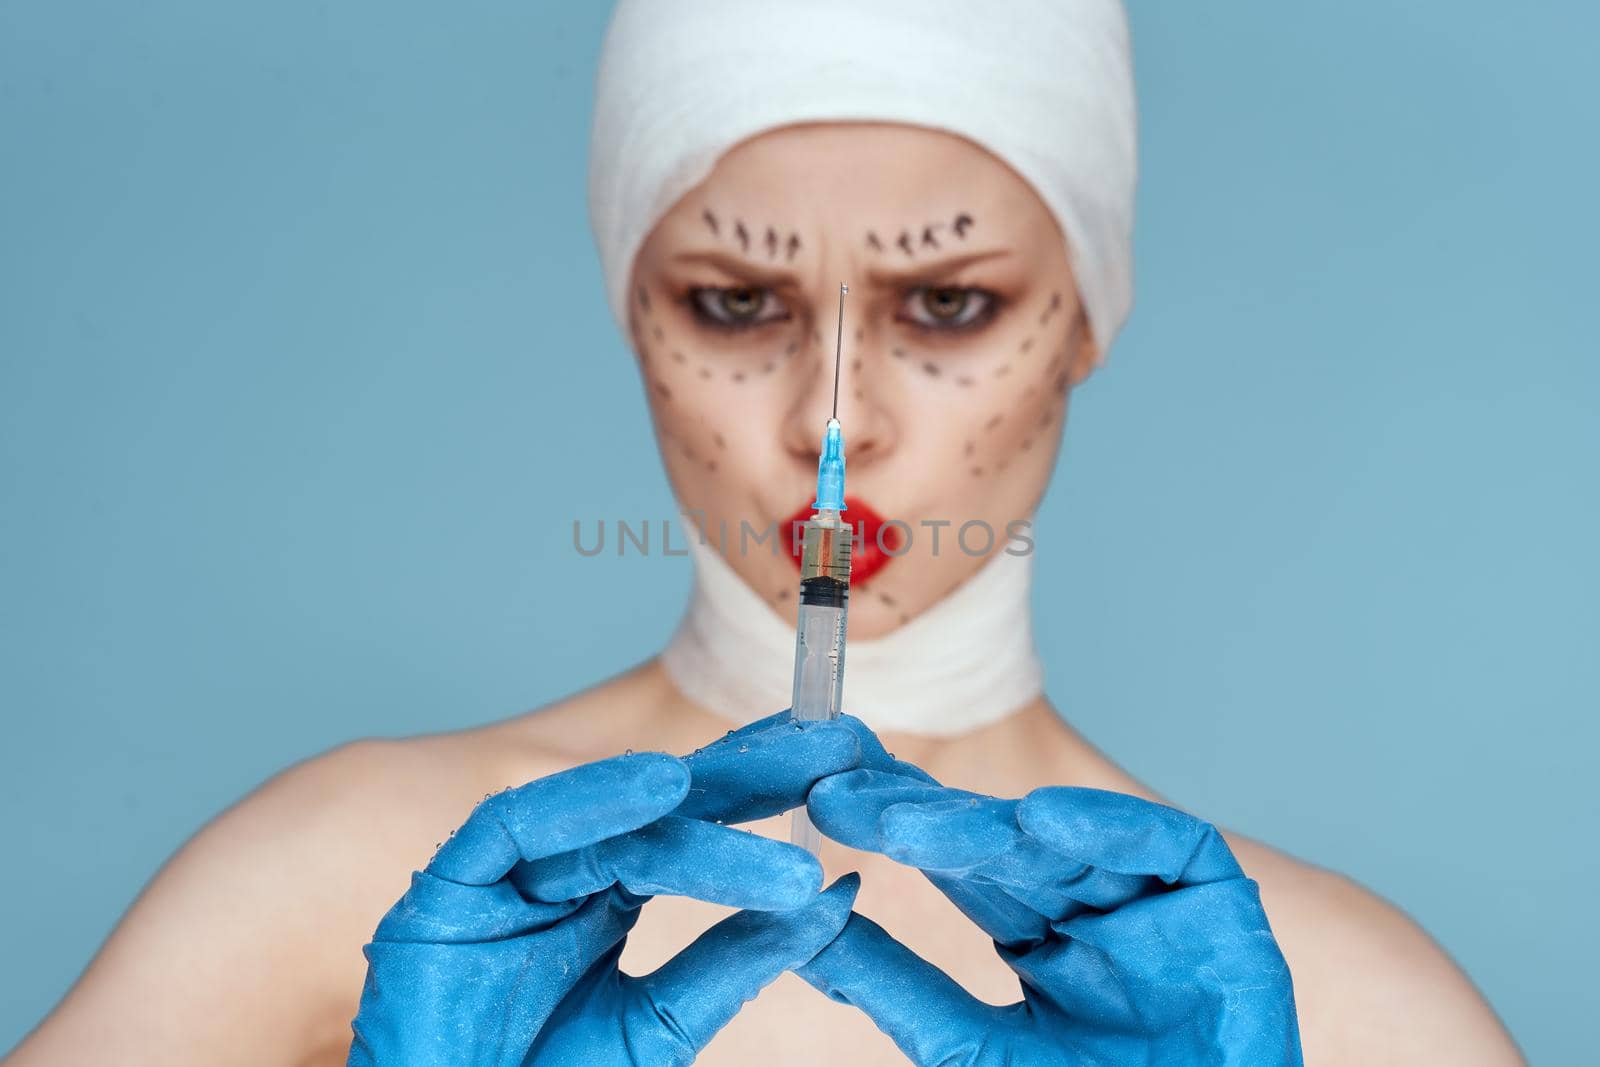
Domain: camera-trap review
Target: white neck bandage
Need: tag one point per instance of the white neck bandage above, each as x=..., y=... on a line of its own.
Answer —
x=1046, y=86
x=967, y=661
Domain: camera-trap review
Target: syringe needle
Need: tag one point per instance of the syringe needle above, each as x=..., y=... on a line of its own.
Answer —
x=838, y=350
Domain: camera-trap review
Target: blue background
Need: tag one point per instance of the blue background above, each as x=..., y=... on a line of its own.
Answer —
x=291, y=295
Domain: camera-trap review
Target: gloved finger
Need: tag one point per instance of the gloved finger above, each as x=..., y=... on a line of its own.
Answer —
x=1118, y=833
x=982, y=841
x=921, y=1008
x=706, y=984
x=561, y=812
x=972, y=847
x=754, y=773
x=849, y=807
x=439, y=911
x=875, y=758
x=685, y=858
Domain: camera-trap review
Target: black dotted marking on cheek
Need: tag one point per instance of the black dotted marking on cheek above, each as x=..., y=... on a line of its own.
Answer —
x=772, y=243
x=1055, y=301
x=816, y=337
x=679, y=357
x=972, y=446
x=887, y=599
x=705, y=374
x=766, y=368
x=738, y=376
x=711, y=466
x=711, y=221
x=1002, y=370
x=655, y=332
x=904, y=244
x=644, y=298
x=793, y=247
x=1027, y=344
x=928, y=240
x=898, y=353
x=720, y=441
x=1029, y=391
x=1061, y=383
x=783, y=594
x=861, y=335
x=855, y=364
x=873, y=242
x=1000, y=466
x=964, y=381
x=1045, y=416
x=860, y=395
x=977, y=472
x=904, y=618
x=665, y=394
x=961, y=224
x=1027, y=443
x=931, y=369
x=994, y=420
x=742, y=234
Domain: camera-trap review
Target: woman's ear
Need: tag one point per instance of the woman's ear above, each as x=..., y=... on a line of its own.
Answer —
x=1085, y=353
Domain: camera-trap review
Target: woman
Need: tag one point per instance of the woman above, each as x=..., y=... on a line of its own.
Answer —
x=971, y=177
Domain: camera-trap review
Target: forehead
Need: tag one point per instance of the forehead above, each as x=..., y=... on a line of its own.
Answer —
x=866, y=174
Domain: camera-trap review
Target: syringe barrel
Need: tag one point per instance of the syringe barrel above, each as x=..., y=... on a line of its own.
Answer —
x=824, y=603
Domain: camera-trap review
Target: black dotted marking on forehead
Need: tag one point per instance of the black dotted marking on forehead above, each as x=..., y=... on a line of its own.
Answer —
x=928, y=240
x=772, y=243
x=873, y=242
x=793, y=246
x=962, y=223
x=741, y=234
x=904, y=243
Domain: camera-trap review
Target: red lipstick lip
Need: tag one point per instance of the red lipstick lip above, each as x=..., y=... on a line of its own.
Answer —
x=872, y=537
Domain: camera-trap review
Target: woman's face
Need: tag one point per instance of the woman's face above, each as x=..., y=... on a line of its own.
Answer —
x=963, y=337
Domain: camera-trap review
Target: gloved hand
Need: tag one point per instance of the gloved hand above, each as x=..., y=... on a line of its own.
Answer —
x=504, y=950
x=1136, y=936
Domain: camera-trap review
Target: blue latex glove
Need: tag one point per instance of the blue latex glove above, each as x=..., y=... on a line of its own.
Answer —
x=504, y=951
x=1136, y=936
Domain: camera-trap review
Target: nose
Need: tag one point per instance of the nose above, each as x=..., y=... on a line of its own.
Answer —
x=867, y=422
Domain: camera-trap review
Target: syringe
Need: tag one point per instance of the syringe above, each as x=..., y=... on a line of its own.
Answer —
x=824, y=590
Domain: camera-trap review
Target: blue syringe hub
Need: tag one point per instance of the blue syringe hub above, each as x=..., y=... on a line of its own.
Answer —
x=830, y=470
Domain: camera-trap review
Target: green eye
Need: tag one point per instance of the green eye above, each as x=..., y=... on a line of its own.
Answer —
x=948, y=307
x=945, y=304
x=736, y=307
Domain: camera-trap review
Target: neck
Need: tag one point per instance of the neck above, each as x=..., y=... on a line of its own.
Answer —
x=963, y=664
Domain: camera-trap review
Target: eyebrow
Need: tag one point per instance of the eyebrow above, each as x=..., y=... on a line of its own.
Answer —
x=932, y=268
x=922, y=269
x=739, y=266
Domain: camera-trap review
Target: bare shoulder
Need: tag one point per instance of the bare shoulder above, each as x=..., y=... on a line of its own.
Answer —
x=1371, y=986
x=246, y=947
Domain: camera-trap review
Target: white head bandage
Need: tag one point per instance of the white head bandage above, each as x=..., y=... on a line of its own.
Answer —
x=1045, y=85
